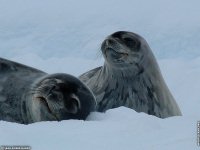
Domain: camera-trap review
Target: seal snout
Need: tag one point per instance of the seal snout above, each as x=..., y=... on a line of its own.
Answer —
x=111, y=45
x=107, y=43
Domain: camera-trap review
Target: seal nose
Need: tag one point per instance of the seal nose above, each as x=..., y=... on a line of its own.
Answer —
x=109, y=42
x=106, y=43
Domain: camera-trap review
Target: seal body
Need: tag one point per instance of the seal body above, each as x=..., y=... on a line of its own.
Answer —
x=29, y=95
x=130, y=77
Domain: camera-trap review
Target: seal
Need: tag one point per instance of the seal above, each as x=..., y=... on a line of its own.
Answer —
x=130, y=77
x=28, y=95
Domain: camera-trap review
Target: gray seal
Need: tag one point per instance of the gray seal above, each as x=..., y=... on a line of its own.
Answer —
x=29, y=95
x=130, y=77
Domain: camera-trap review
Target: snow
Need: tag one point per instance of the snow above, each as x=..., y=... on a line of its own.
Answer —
x=65, y=36
x=120, y=128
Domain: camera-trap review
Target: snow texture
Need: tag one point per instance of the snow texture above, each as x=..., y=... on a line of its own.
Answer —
x=65, y=36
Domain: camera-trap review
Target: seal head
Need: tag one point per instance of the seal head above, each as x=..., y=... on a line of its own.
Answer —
x=122, y=49
x=60, y=97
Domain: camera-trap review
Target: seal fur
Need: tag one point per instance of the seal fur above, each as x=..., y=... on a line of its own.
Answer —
x=29, y=95
x=130, y=77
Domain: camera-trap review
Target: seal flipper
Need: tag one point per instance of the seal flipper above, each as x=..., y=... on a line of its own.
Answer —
x=11, y=66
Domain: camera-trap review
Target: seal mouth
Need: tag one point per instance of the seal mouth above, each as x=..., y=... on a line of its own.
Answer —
x=115, y=55
x=112, y=47
x=116, y=52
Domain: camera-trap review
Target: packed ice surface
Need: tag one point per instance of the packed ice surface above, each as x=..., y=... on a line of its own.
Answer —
x=65, y=36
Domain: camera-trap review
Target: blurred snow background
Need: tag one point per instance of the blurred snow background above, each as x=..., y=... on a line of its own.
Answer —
x=65, y=36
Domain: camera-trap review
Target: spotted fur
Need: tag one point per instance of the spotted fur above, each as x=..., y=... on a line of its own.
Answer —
x=130, y=77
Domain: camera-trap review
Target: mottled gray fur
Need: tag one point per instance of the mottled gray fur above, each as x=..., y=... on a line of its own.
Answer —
x=29, y=95
x=130, y=77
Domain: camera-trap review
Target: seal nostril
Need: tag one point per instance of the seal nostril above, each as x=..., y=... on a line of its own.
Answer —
x=109, y=42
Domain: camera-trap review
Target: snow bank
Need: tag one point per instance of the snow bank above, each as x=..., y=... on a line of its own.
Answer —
x=120, y=128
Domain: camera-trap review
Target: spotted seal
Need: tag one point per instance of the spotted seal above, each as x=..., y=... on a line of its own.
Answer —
x=29, y=95
x=130, y=77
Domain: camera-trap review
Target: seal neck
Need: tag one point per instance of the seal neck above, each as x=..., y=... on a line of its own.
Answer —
x=109, y=71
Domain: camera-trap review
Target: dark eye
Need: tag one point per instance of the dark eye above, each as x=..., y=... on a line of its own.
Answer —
x=129, y=42
x=132, y=43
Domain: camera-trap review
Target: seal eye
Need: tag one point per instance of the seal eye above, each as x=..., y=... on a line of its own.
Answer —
x=73, y=104
x=132, y=43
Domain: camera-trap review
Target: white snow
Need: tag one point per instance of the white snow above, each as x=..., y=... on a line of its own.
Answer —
x=65, y=36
